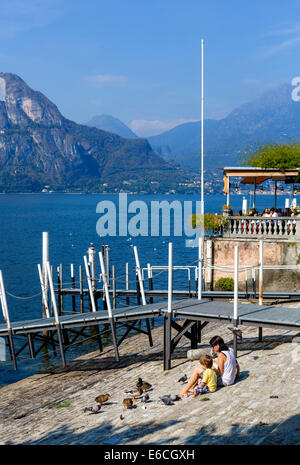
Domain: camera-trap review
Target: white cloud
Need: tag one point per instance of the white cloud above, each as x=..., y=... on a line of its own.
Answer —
x=101, y=80
x=281, y=46
x=147, y=128
x=292, y=37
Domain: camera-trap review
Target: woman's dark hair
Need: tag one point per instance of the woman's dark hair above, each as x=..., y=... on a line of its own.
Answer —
x=218, y=340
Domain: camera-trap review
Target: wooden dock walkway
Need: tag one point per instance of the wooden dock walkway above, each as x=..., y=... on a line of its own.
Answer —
x=191, y=311
x=195, y=309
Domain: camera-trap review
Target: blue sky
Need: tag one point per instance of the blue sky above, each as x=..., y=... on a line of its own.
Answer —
x=140, y=60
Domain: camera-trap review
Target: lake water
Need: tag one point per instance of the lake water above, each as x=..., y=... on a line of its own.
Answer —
x=71, y=222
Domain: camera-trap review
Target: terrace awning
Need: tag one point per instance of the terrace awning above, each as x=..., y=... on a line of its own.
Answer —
x=254, y=180
x=255, y=176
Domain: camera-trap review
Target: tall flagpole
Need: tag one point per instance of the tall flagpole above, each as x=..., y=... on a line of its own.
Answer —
x=202, y=163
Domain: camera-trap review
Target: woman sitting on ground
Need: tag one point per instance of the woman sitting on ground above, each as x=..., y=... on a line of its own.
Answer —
x=227, y=371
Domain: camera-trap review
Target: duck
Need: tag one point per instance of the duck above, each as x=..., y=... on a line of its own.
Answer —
x=127, y=402
x=102, y=398
x=143, y=384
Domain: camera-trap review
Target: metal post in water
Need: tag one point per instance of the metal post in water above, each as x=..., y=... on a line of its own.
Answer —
x=168, y=316
x=200, y=254
x=209, y=264
x=110, y=315
x=89, y=279
x=142, y=291
x=7, y=320
x=81, y=288
x=45, y=257
x=57, y=322
x=260, y=293
x=127, y=282
x=139, y=274
x=73, y=287
x=114, y=285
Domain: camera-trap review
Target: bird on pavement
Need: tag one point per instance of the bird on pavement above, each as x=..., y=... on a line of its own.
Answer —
x=166, y=400
x=145, y=397
x=94, y=409
x=102, y=398
x=127, y=402
x=182, y=379
x=143, y=384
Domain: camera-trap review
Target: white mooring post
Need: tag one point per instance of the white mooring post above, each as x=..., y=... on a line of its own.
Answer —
x=170, y=278
x=142, y=291
x=200, y=255
x=91, y=254
x=236, y=296
x=108, y=303
x=168, y=316
x=261, y=282
x=55, y=311
x=138, y=269
x=7, y=320
x=44, y=291
x=87, y=270
x=44, y=282
x=261, y=252
x=236, y=283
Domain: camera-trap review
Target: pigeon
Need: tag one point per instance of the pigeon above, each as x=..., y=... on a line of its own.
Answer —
x=143, y=384
x=94, y=409
x=145, y=398
x=166, y=400
x=127, y=402
x=182, y=379
x=174, y=397
x=102, y=398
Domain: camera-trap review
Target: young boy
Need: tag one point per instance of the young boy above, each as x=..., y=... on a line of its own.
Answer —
x=208, y=383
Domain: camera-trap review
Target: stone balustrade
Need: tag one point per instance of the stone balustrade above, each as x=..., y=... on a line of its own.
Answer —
x=256, y=226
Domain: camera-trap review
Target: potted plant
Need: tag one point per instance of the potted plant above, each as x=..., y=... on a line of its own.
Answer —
x=227, y=210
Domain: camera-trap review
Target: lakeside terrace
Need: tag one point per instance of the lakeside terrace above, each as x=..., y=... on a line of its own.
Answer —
x=283, y=225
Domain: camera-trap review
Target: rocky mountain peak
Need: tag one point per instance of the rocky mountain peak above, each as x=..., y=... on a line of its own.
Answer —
x=22, y=106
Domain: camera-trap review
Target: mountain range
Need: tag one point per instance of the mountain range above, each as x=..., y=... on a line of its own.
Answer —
x=39, y=146
x=272, y=117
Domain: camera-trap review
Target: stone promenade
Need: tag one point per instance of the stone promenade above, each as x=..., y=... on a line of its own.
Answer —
x=263, y=407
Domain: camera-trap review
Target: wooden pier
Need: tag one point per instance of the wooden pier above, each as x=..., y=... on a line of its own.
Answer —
x=185, y=311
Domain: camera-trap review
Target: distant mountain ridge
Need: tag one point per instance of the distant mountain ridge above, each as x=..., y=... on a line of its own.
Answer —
x=274, y=116
x=111, y=124
x=38, y=147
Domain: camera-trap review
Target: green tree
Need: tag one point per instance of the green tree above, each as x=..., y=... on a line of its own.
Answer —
x=273, y=155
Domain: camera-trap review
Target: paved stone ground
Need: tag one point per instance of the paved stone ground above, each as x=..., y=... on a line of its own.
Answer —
x=48, y=408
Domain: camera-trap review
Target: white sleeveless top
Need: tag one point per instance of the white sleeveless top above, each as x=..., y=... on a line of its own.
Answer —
x=230, y=367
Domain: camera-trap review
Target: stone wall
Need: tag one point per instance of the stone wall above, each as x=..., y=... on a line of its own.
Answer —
x=274, y=253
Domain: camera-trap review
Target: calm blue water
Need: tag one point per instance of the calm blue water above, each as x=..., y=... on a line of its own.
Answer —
x=71, y=223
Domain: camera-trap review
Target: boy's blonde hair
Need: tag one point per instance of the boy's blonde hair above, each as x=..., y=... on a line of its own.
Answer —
x=206, y=360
